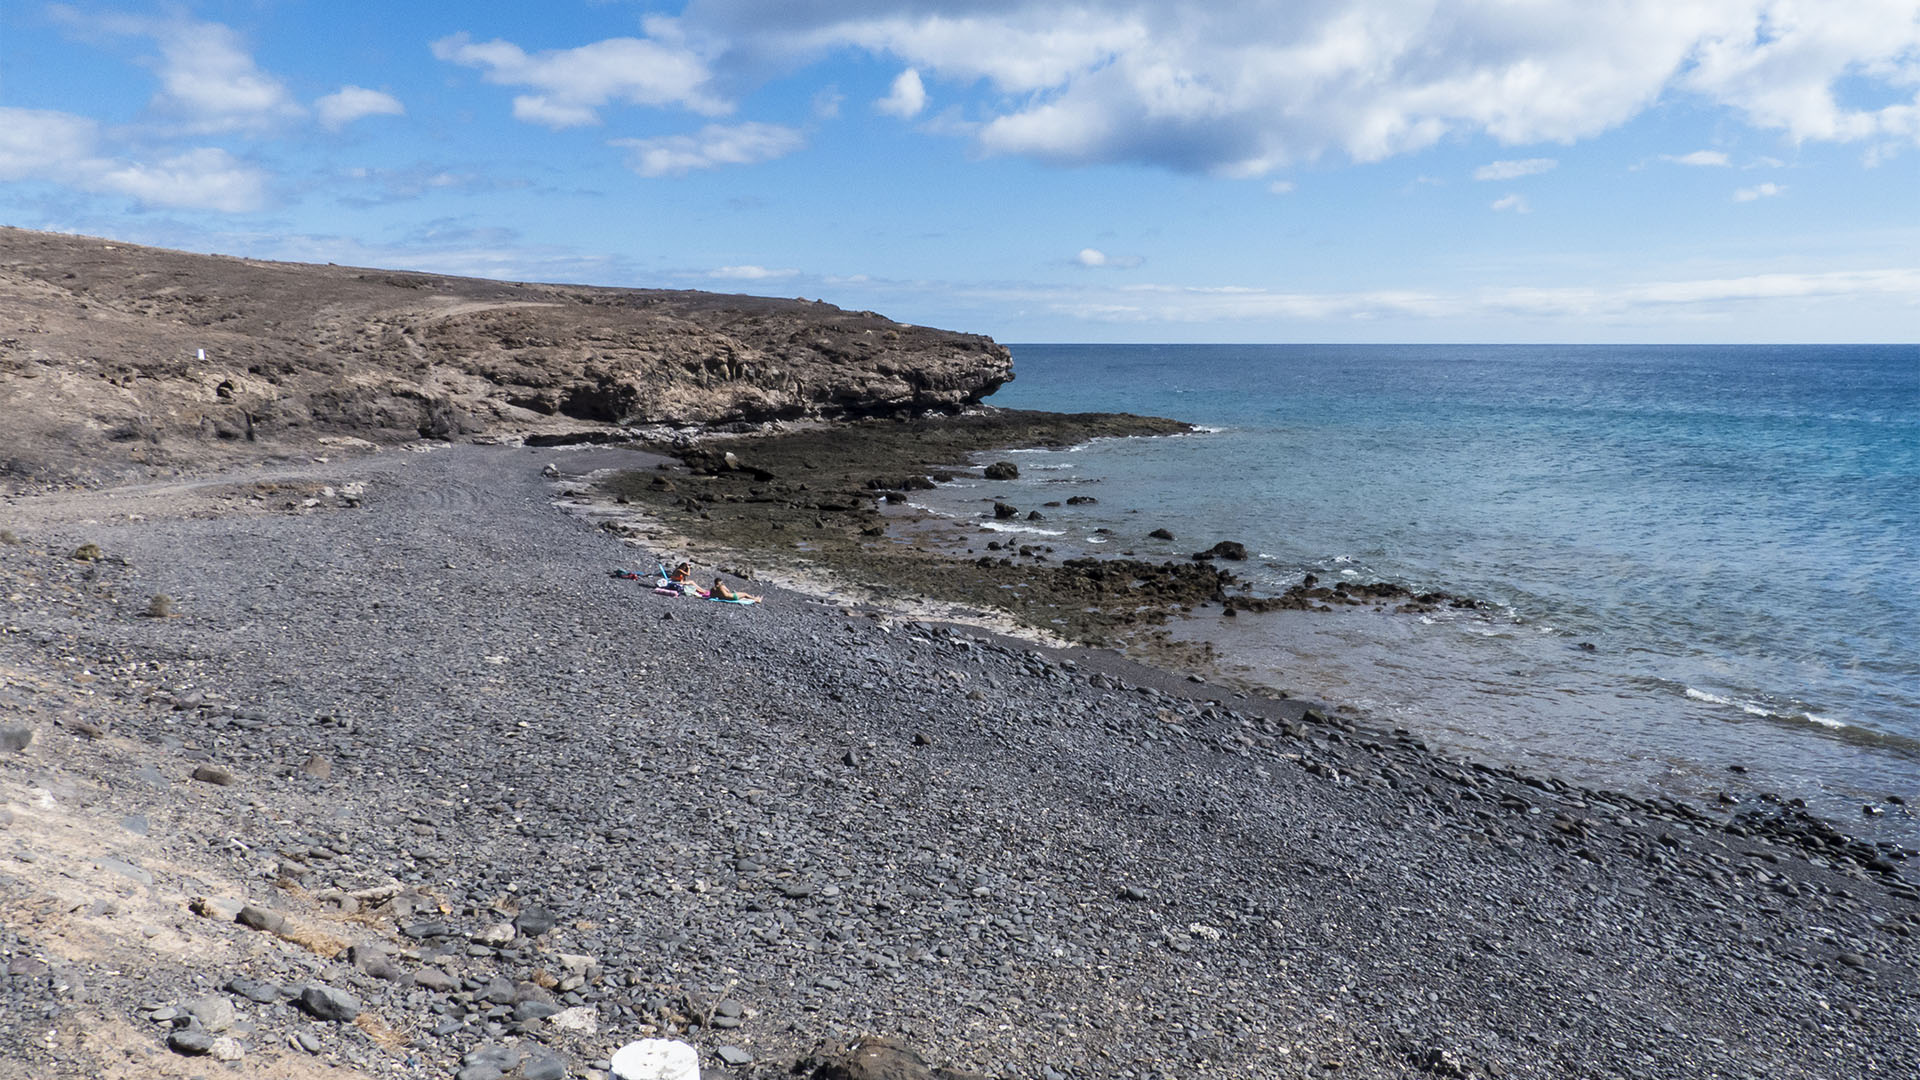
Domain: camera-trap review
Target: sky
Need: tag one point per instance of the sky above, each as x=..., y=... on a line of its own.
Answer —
x=1113, y=170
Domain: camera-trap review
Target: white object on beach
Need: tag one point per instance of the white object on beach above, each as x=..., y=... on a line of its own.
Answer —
x=656, y=1059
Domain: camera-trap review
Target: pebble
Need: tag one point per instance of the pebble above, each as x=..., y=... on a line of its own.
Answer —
x=15, y=737
x=192, y=1042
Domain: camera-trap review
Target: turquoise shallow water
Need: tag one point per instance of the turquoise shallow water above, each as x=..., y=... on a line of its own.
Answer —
x=1733, y=529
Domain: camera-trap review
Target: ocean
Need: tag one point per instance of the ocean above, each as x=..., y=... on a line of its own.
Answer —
x=1700, y=561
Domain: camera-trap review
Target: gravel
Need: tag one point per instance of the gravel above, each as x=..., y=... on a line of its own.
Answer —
x=760, y=829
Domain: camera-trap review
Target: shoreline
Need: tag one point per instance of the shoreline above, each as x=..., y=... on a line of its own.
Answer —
x=1011, y=859
x=1169, y=622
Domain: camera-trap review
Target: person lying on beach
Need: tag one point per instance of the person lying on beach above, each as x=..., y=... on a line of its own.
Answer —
x=722, y=592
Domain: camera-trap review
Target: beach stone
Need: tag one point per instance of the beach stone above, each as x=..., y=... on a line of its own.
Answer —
x=191, y=1042
x=584, y=1019
x=1002, y=511
x=259, y=918
x=1002, y=470
x=496, y=935
x=326, y=1003
x=214, y=1012
x=317, y=767
x=1225, y=549
x=213, y=774
x=543, y=1064
x=734, y=1056
x=88, y=552
x=1161, y=534
x=535, y=921
x=227, y=1048
x=15, y=737
x=432, y=978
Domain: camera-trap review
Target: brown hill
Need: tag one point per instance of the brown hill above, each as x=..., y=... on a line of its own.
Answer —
x=114, y=355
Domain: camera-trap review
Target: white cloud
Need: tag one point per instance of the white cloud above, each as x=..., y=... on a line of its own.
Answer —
x=1232, y=89
x=749, y=273
x=208, y=79
x=42, y=143
x=713, y=146
x=1094, y=258
x=907, y=97
x=570, y=86
x=350, y=103
x=1758, y=191
x=1700, y=158
x=1514, y=202
x=205, y=179
x=61, y=148
x=1513, y=170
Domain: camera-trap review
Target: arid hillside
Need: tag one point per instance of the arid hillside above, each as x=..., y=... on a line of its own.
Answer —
x=119, y=359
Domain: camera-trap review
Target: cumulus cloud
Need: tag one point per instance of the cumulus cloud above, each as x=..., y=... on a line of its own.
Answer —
x=713, y=146
x=1758, y=191
x=350, y=103
x=1699, y=158
x=1515, y=203
x=208, y=79
x=569, y=86
x=1513, y=170
x=1229, y=88
x=61, y=148
x=1094, y=258
x=907, y=97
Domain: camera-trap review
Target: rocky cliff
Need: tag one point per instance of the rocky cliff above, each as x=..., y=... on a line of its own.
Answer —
x=112, y=353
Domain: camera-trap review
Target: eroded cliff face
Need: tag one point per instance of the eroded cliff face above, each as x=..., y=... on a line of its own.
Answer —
x=101, y=356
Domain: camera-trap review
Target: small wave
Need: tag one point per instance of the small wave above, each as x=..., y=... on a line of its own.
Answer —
x=1096, y=540
x=925, y=509
x=1825, y=721
x=995, y=526
x=1711, y=699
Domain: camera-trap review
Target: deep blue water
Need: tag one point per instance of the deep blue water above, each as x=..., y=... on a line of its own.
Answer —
x=1733, y=528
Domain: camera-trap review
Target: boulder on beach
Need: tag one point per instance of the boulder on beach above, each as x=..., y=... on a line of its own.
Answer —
x=1225, y=549
x=1002, y=470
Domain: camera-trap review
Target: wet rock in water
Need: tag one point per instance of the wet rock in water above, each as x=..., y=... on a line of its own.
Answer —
x=1225, y=549
x=1002, y=511
x=1035, y=515
x=1081, y=500
x=1161, y=534
x=1002, y=470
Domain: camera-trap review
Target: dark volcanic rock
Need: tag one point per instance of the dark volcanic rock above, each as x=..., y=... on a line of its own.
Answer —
x=1002, y=470
x=1225, y=549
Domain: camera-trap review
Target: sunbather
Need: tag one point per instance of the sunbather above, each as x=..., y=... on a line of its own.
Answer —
x=722, y=592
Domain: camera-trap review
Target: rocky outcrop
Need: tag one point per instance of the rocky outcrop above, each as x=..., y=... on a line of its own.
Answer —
x=112, y=351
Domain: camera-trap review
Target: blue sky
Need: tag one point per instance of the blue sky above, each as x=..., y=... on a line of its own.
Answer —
x=1383, y=170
